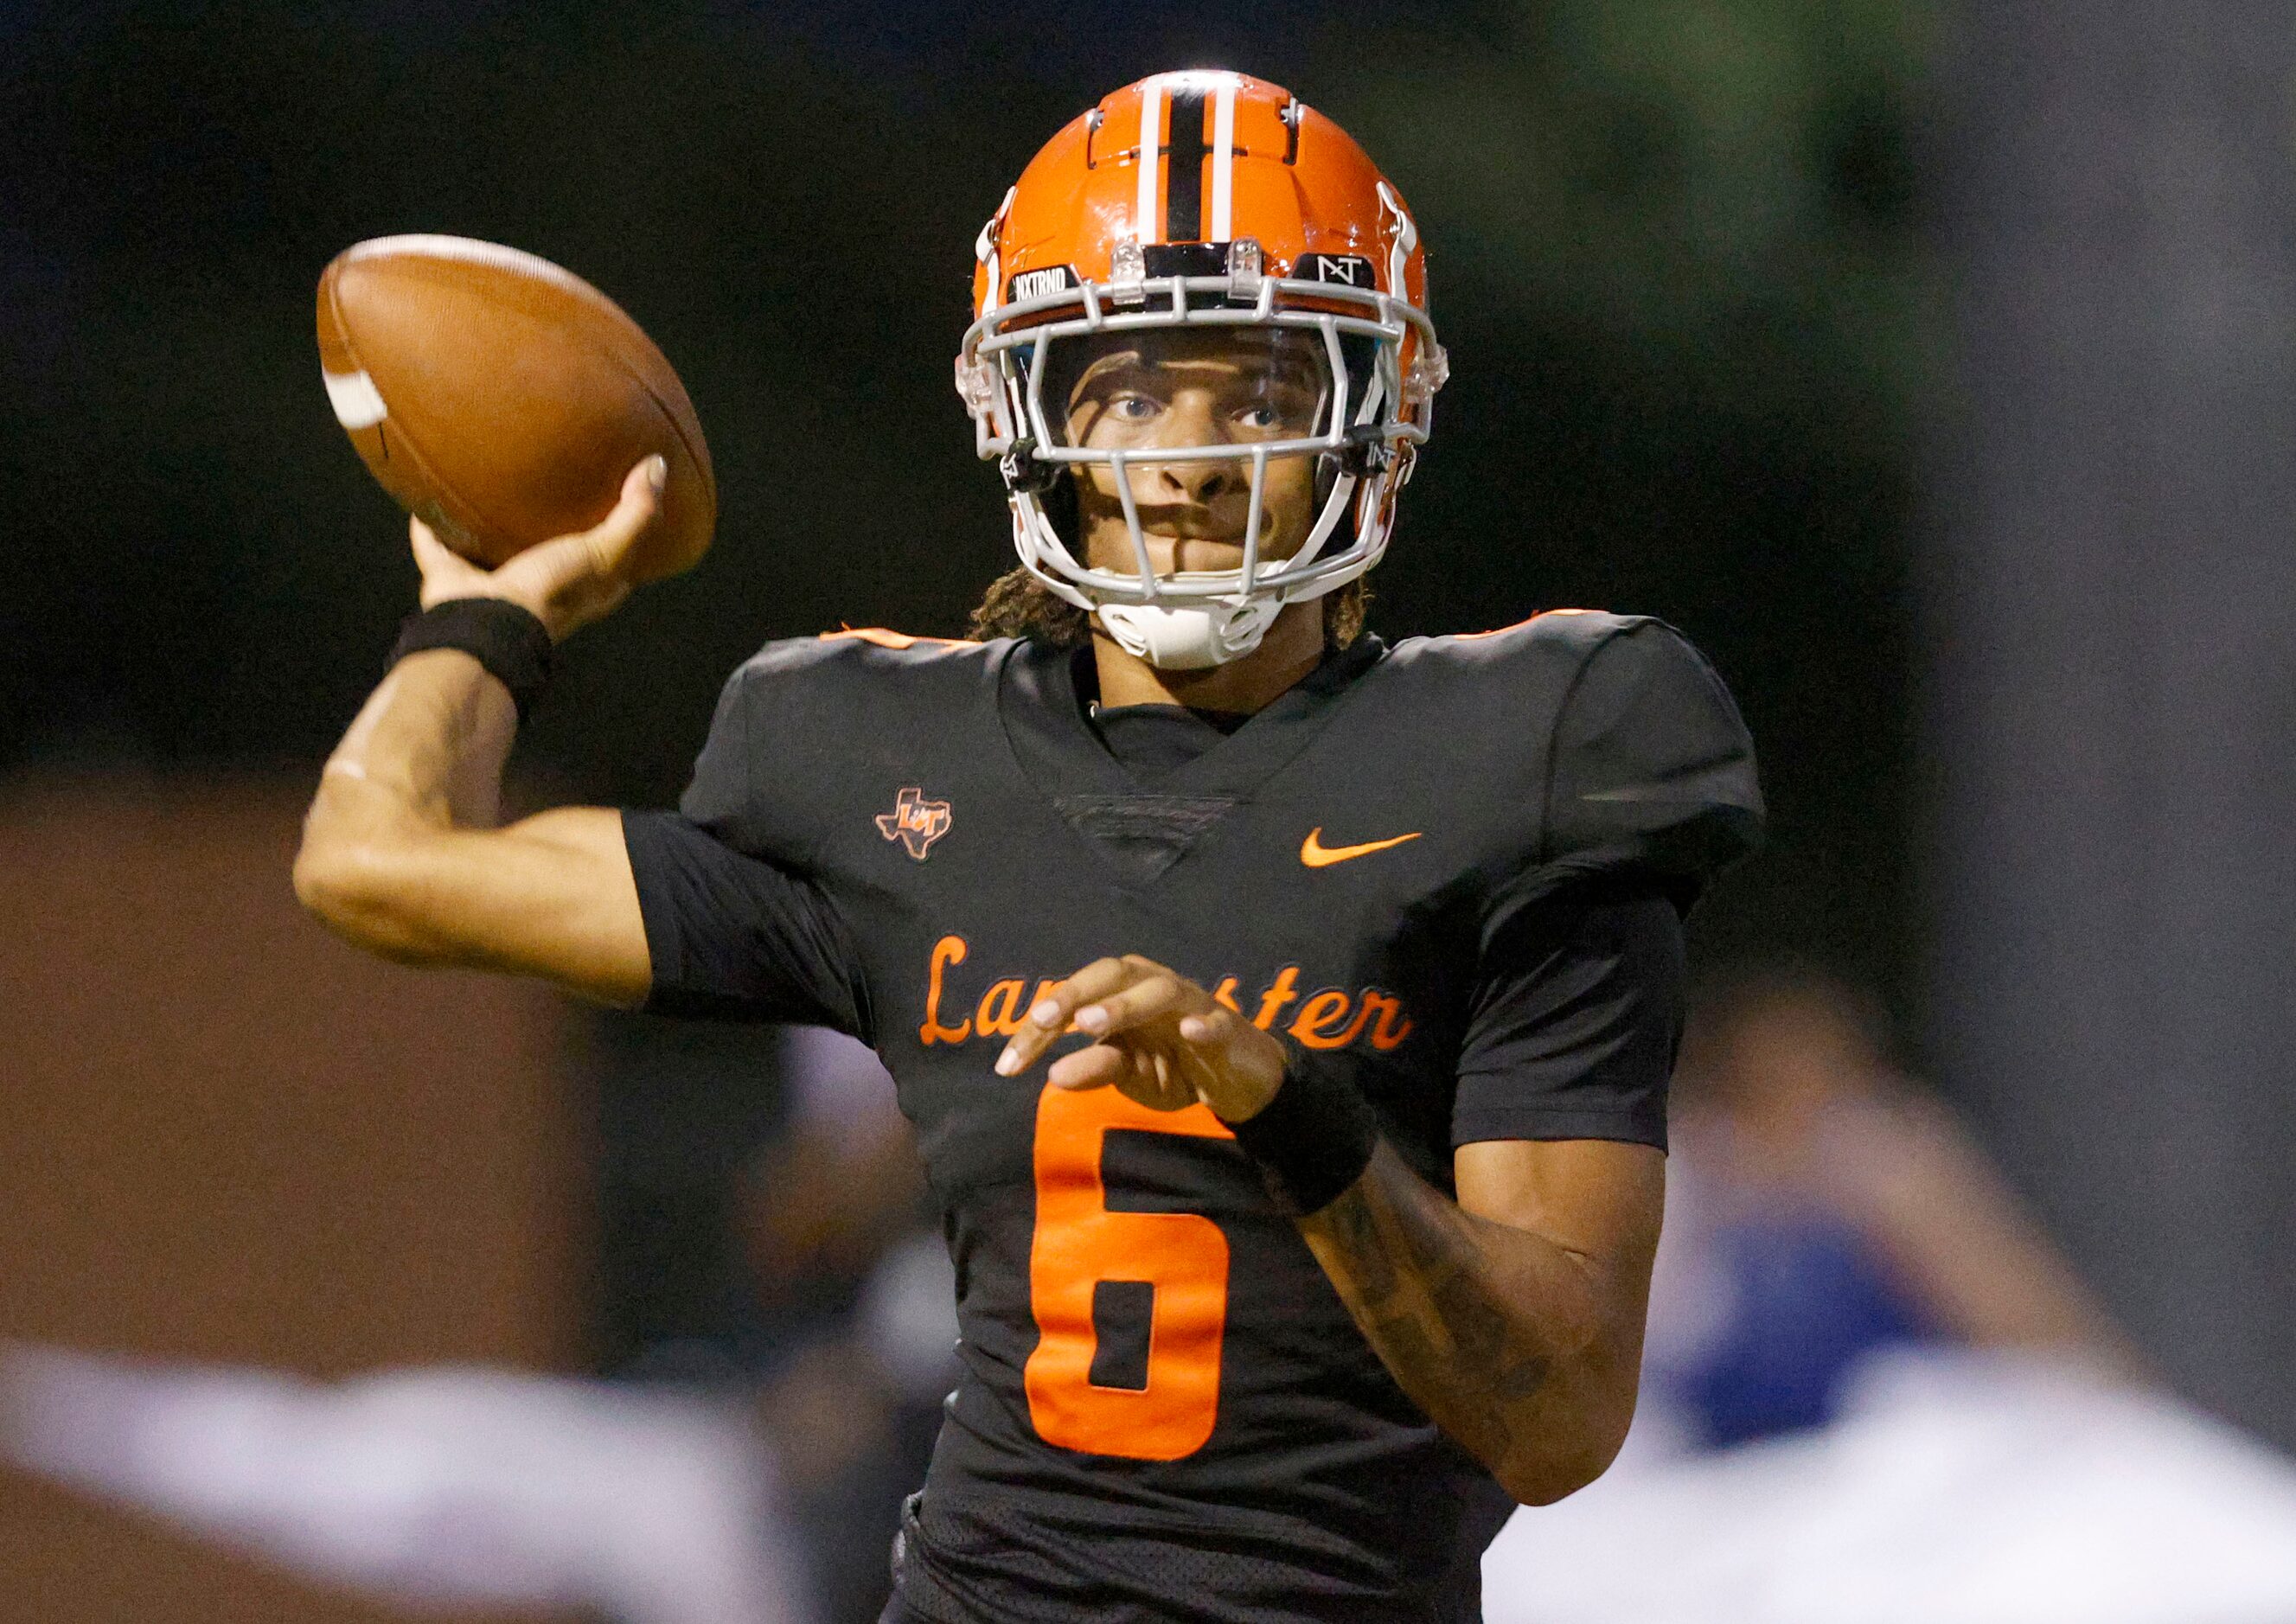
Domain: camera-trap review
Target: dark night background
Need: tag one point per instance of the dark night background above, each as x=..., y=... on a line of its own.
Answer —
x=1933, y=367
x=1676, y=255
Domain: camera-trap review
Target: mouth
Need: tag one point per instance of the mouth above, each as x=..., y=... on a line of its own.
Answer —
x=1176, y=522
x=1186, y=537
x=1188, y=554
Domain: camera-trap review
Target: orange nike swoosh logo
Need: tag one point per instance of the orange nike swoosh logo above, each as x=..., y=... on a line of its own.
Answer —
x=1314, y=854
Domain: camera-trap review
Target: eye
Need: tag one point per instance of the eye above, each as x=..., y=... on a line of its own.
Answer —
x=1260, y=416
x=1131, y=408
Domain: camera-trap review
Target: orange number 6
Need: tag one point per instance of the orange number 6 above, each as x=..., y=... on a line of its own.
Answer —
x=1078, y=1244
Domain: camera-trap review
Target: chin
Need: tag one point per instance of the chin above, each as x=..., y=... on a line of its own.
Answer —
x=1202, y=556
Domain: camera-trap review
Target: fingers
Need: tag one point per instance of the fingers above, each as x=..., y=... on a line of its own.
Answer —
x=1143, y=1000
x=1242, y=1048
x=1247, y=1061
x=1163, y=1040
x=1097, y=1067
x=1216, y=1023
x=640, y=500
x=566, y=582
x=1051, y=1015
x=445, y=573
x=1147, y=1074
x=597, y=553
x=570, y=580
x=429, y=552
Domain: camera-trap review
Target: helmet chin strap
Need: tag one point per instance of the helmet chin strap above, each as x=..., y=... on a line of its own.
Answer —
x=1188, y=639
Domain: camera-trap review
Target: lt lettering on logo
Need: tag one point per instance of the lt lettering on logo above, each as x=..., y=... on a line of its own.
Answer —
x=916, y=821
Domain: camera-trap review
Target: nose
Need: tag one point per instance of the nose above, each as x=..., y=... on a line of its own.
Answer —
x=1191, y=422
x=1195, y=482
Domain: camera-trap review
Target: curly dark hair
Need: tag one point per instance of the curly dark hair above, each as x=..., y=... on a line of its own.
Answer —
x=1017, y=605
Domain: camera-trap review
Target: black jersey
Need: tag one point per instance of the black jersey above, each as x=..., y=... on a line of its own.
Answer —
x=1165, y=1410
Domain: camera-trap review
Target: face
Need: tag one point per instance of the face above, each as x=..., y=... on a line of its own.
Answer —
x=1161, y=390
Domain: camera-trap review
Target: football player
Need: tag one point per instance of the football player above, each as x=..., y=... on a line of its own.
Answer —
x=1285, y=1016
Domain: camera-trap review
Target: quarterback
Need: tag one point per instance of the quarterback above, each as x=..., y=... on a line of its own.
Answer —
x=1285, y=1016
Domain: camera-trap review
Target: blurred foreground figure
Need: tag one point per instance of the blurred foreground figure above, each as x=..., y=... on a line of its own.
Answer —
x=1821, y=1207
x=764, y=1498
x=452, y=1485
x=1956, y=1489
x=1874, y=1393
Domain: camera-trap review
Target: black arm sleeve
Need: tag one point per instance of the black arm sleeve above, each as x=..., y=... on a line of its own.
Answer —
x=1577, y=1017
x=734, y=937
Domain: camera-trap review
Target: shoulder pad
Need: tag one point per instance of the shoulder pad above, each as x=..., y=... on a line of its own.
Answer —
x=799, y=716
x=1555, y=641
x=1578, y=628
x=853, y=645
x=1652, y=766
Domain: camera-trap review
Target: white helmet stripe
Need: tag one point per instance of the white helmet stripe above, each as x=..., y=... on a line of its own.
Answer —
x=1403, y=237
x=1223, y=162
x=986, y=249
x=1145, y=223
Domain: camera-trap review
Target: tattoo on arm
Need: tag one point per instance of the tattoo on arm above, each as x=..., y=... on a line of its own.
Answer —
x=1489, y=1328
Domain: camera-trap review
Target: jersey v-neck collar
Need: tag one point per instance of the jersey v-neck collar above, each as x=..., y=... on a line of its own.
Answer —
x=1041, y=708
x=1153, y=742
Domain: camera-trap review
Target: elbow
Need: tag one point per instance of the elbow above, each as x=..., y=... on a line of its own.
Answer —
x=323, y=878
x=333, y=877
x=1545, y=1482
x=1556, y=1477
x=1561, y=1467
x=350, y=887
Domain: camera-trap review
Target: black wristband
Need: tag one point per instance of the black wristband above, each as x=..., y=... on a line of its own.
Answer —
x=1311, y=1141
x=508, y=640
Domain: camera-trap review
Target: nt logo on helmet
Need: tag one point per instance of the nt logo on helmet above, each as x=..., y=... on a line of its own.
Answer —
x=1353, y=269
x=916, y=821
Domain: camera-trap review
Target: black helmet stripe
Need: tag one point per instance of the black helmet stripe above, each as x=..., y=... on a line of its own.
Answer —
x=1184, y=180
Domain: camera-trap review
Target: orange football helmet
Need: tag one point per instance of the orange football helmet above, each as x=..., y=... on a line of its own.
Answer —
x=1204, y=200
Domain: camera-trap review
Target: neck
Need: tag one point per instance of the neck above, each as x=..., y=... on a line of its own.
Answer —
x=1292, y=647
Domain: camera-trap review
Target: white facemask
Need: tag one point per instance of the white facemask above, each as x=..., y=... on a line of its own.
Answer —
x=1194, y=620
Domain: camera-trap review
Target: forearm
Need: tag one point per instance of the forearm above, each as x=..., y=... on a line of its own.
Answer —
x=423, y=758
x=400, y=857
x=428, y=748
x=1512, y=1315
x=1521, y=1348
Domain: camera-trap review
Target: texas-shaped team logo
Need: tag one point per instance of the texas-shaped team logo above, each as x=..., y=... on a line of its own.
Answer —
x=916, y=821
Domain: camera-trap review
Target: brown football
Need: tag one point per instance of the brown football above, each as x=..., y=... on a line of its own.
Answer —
x=503, y=400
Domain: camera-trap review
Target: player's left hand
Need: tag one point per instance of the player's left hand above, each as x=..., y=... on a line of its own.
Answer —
x=1163, y=1040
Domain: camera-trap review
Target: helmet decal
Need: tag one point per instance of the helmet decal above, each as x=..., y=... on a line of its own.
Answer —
x=1223, y=161
x=1186, y=150
x=984, y=247
x=1149, y=157
x=1403, y=236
